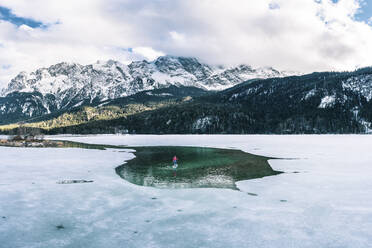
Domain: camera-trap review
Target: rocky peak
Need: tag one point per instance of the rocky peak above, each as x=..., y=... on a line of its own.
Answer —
x=70, y=83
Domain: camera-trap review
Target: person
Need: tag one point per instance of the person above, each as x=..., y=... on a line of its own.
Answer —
x=175, y=165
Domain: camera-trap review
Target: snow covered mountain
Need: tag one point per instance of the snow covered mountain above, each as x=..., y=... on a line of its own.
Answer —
x=66, y=85
x=111, y=79
x=325, y=102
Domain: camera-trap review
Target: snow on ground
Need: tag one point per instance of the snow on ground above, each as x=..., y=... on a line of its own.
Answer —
x=327, y=203
x=327, y=101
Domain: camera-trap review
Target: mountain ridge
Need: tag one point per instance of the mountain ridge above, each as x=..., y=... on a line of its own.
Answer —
x=164, y=71
x=317, y=103
x=320, y=102
x=64, y=86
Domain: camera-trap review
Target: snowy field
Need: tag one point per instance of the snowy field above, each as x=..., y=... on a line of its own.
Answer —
x=328, y=203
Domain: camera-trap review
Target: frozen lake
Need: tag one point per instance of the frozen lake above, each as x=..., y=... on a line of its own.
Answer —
x=322, y=200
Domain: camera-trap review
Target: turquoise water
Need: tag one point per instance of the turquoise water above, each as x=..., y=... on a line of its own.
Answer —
x=198, y=167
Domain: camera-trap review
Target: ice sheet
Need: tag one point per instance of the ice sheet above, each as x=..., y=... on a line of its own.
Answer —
x=327, y=204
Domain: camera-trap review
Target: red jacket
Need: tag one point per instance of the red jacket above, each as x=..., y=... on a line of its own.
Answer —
x=175, y=158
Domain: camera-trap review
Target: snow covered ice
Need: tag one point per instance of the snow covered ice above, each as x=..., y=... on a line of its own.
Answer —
x=323, y=199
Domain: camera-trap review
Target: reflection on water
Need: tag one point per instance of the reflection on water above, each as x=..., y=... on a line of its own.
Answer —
x=198, y=167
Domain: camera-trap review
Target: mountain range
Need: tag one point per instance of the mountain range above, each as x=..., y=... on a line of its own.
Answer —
x=182, y=95
x=67, y=85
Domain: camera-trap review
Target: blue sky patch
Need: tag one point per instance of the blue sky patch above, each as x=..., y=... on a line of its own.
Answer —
x=7, y=15
x=366, y=12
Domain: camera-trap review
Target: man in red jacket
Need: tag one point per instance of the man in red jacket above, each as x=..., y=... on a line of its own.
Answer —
x=175, y=165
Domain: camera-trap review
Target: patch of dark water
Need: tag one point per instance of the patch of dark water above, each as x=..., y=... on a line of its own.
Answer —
x=198, y=167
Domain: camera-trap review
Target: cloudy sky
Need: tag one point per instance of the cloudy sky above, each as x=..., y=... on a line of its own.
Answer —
x=300, y=35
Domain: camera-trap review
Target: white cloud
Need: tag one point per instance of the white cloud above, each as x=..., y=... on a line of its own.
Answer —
x=148, y=52
x=177, y=37
x=302, y=35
